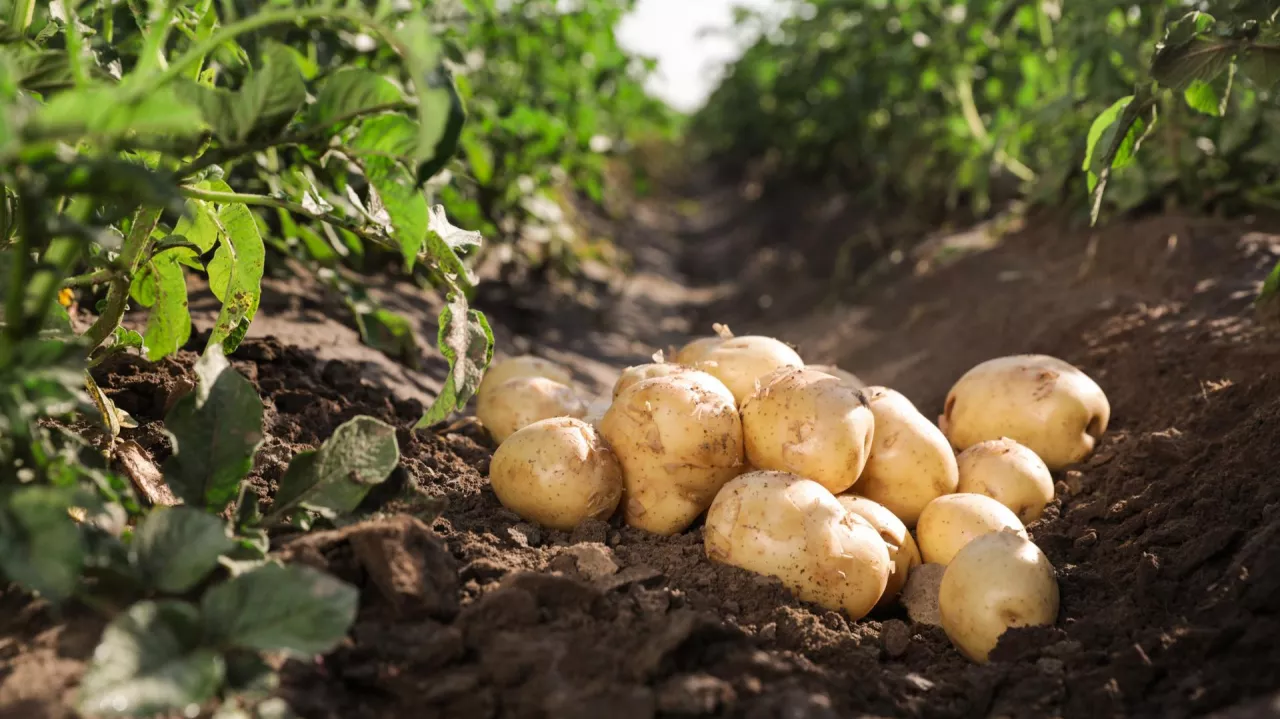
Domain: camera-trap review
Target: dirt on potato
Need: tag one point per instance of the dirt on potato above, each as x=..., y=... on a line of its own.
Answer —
x=1165, y=539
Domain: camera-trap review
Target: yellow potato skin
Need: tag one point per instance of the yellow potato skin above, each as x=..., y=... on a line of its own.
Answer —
x=522, y=366
x=951, y=521
x=781, y=525
x=838, y=373
x=557, y=472
x=1009, y=473
x=678, y=439
x=697, y=350
x=998, y=581
x=631, y=375
x=739, y=362
x=811, y=424
x=911, y=462
x=1042, y=402
x=902, y=547
x=521, y=401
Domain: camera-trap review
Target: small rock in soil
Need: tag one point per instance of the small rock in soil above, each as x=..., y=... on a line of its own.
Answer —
x=409, y=565
x=594, y=561
x=1048, y=665
x=525, y=535
x=895, y=638
x=694, y=694
x=920, y=594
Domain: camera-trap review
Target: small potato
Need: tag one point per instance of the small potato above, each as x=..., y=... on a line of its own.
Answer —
x=838, y=373
x=679, y=439
x=522, y=366
x=740, y=361
x=911, y=463
x=1009, y=473
x=999, y=580
x=557, y=472
x=811, y=424
x=784, y=526
x=902, y=548
x=1053, y=408
x=521, y=401
x=697, y=350
x=631, y=375
x=951, y=521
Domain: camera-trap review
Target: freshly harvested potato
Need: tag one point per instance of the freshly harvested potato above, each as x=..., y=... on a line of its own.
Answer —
x=838, y=373
x=1042, y=402
x=785, y=526
x=557, y=472
x=521, y=401
x=631, y=375
x=679, y=439
x=911, y=463
x=522, y=366
x=1009, y=473
x=809, y=423
x=902, y=548
x=999, y=580
x=951, y=521
x=697, y=350
x=740, y=361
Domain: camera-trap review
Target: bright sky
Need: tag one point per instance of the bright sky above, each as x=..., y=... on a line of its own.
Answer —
x=688, y=66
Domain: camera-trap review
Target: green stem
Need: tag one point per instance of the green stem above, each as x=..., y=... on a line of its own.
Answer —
x=136, y=246
x=23, y=12
x=157, y=37
x=91, y=278
x=74, y=56
x=363, y=232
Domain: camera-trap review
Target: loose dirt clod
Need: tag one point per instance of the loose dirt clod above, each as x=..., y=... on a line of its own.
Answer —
x=920, y=595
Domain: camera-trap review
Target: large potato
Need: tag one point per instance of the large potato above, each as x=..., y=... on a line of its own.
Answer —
x=1009, y=473
x=784, y=526
x=911, y=463
x=521, y=401
x=835, y=371
x=631, y=375
x=697, y=350
x=809, y=423
x=739, y=361
x=999, y=580
x=679, y=439
x=557, y=472
x=522, y=366
x=1053, y=408
x=902, y=548
x=951, y=521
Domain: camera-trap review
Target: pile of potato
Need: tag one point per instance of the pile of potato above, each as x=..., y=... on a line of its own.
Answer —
x=805, y=474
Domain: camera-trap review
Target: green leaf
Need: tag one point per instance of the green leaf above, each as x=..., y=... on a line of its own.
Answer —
x=198, y=224
x=466, y=341
x=387, y=332
x=360, y=454
x=101, y=111
x=1203, y=59
x=381, y=141
x=293, y=609
x=1261, y=64
x=235, y=274
x=216, y=430
x=1212, y=97
x=176, y=547
x=271, y=96
x=40, y=545
x=480, y=157
x=150, y=661
x=349, y=92
x=440, y=112
x=1114, y=138
x=169, y=322
x=444, y=241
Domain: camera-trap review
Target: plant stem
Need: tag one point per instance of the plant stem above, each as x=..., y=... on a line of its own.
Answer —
x=91, y=278
x=136, y=246
x=74, y=57
x=23, y=12
x=363, y=232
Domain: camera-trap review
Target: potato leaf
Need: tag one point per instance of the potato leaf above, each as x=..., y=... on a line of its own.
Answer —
x=235, y=273
x=176, y=547
x=1211, y=97
x=383, y=142
x=1261, y=64
x=216, y=430
x=271, y=96
x=40, y=546
x=1202, y=59
x=348, y=92
x=292, y=609
x=336, y=477
x=466, y=341
x=198, y=224
x=1114, y=137
x=149, y=662
x=169, y=322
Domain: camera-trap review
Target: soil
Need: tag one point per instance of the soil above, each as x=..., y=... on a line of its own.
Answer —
x=1165, y=539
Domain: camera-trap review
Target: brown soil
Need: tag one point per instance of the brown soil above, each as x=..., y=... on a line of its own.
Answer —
x=1165, y=540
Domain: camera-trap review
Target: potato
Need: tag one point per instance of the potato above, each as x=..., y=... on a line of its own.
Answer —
x=999, y=580
x=521, y=401
x=522, y=366
x=951, y=521
x=785, y=526
x=838, y=373
x=811, y=424
x=1049, y=406
x=902, y=548
x=696, y=351
x=557, y=472
x=911, y=463
x=679, y=439
x=1009, y=473
x=740, y=361
x=631, y=375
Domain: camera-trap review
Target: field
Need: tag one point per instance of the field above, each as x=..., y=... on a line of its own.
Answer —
x=229, y=303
